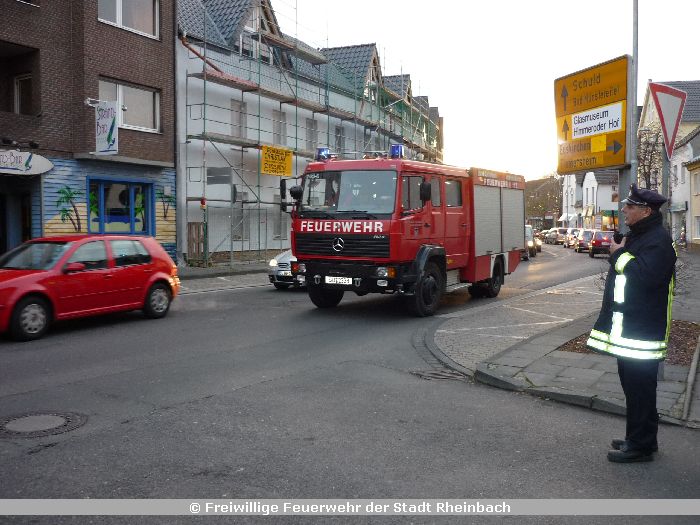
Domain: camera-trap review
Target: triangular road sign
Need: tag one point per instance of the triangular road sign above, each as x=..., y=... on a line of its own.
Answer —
x=669, y=104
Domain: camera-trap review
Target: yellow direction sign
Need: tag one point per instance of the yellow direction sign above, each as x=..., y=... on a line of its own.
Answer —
x=276, y=161
x=591, y=111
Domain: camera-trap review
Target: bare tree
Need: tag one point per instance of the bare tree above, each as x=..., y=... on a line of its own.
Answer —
x=650, y=145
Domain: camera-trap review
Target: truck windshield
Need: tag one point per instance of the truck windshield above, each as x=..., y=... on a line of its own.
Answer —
x=339, y=193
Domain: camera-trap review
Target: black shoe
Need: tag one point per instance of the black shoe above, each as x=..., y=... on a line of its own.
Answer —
x=620, y=444
x=630, y=456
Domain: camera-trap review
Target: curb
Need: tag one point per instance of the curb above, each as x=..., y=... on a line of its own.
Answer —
x=690, y=382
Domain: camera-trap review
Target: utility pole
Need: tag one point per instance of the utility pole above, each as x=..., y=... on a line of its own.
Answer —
x=628, y=175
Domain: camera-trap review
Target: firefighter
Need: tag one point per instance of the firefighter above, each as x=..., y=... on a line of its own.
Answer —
x=635, y=319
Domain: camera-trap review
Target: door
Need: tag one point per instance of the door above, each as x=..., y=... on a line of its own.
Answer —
x=89, y=290
x=456, y=223
x=437, y=211
x=415, y=217
x=133, y=267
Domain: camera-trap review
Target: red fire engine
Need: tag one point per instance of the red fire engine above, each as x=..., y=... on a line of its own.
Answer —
x=392, y=225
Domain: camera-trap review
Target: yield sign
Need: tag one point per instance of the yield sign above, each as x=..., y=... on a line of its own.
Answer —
x=669, y=105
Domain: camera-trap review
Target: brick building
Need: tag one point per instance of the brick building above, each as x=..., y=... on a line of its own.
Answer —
x=56, y=58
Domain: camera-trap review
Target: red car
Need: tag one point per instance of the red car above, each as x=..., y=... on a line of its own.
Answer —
x=600, y=243
x=56, y=278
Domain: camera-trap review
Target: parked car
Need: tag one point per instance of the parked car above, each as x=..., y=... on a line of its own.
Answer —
x=550, y=236
x=570, y=236
x=600, y=243
x=280, y=272
x=583, y=240
x=55, y=278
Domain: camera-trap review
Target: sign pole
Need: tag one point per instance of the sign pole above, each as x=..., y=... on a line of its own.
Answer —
x=629, y=175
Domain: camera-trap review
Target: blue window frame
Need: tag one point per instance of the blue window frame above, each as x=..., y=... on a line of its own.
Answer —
x=120, y=207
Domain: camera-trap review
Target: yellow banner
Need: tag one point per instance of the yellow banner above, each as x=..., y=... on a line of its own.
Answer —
x=276, y=161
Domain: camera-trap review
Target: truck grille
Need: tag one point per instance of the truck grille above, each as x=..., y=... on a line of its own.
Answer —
x=353, y=245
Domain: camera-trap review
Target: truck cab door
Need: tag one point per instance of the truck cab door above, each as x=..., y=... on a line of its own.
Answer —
x=416, y=220
x=437, y=211
x=456, y=223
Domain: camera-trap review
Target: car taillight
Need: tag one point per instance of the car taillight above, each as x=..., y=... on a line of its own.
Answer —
x=173, y=271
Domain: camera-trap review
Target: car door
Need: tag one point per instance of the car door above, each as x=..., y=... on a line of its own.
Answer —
x=456, y=223
x=133, y=267
x=88, y=290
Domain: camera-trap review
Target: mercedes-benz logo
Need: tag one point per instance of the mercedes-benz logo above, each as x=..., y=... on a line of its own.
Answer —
x=338, y=244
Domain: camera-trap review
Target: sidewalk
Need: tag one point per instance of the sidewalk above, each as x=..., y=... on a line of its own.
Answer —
x=514, y=347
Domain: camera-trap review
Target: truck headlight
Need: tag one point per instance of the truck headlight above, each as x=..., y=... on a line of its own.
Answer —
x=530, y=244
x=386, y=272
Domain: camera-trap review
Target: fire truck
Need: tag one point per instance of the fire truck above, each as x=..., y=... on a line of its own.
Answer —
x=396, y=226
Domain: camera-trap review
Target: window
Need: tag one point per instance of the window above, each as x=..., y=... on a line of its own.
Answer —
x=279, y=127
x=92, y=254
x=339, y=139
x=120, y=207
x=453, y=193
x=311, y=133
x=128, y=252
x=239, y=119
x=683, y=172
x=410, y=193
x=140, y=16
x=696, y=183
x=23, y=94
x=142, y=105
x=435, y=192
x=697, y=227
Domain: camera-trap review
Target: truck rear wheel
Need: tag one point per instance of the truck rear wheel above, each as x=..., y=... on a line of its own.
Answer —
x=428, y=291
x=493, y=285
x=323, y=298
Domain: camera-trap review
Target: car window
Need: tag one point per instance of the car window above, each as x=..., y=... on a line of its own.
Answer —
x=435, y=191
x=92, y=254
x=127, y=252
x=587, y=235
x=34, y=256
x=453, y=193
x=410, y=193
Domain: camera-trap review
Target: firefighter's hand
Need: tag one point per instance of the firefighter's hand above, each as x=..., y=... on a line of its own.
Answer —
x=615, y=246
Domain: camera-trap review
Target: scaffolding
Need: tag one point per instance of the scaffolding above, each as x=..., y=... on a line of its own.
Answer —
x=232, y=210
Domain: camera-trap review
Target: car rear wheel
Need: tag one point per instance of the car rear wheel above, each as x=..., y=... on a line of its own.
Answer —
x=30, y=319
x=428, y=292
x=158, y=301
x=323, y=298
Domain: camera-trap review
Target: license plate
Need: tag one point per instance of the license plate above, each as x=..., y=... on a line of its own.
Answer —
x=330, y=279
x=285, y=273
x=605, y=243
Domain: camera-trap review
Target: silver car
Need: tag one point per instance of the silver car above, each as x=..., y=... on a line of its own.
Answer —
x=280, y=271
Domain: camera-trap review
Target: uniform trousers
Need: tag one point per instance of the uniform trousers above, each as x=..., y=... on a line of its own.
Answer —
x=638, y=379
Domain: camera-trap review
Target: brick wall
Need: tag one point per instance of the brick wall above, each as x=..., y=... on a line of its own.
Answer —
x=75, y=49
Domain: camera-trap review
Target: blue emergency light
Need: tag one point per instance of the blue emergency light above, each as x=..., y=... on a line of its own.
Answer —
x=323, y=153
x=396, y=151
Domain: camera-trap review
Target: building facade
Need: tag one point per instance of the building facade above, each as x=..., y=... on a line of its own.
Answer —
x=249, y=94
x=58, y=60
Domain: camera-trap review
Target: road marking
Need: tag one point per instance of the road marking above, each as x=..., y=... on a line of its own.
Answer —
x=537, y=313
x=501, y=327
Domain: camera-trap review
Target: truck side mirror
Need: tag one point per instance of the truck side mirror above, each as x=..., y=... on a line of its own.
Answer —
x=283, y=189
x=425, y=191
x=297, y=192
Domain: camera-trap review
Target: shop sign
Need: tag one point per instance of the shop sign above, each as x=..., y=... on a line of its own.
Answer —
x=106, y=128
x=16, y=162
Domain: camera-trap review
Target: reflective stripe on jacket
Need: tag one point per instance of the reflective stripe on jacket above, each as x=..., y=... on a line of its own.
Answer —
x=635, y=318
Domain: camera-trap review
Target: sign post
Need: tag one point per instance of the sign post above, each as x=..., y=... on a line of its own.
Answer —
x=591, y=113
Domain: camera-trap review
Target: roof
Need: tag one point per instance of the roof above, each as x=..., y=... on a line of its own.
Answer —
x=607, y=176
x=336, y=77
x=422, y=103
x=690, y=136
x=230, y=16
x=691, y=110
x=434, y=114
x=399, y=84
x=191, y=15
x=353, y=60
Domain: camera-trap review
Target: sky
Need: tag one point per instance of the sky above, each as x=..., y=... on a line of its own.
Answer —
x=490, y=65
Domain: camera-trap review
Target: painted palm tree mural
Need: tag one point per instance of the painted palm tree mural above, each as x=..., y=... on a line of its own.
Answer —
x=166, y=200
x=68, y=210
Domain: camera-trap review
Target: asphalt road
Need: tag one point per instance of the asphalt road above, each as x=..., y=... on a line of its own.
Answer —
x=254, y=393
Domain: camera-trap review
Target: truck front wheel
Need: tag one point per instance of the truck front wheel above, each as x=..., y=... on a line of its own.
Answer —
x=325, y=298
x=428, y=291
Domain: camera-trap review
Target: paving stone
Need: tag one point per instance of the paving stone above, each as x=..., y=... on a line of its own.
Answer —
x=608, y=366
x=507, y=360
x=490, y=377
x=665, y=403
x=583, y=399
x=609, y=387
x=668, y=395
x=537, y=379
x=562, y=361
x=558, y=354
x=544, y=367
x=676, y=375
x=532, y=354
x=609, y=404
x=671, y=386
x=573, y=382
x=581, y=373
